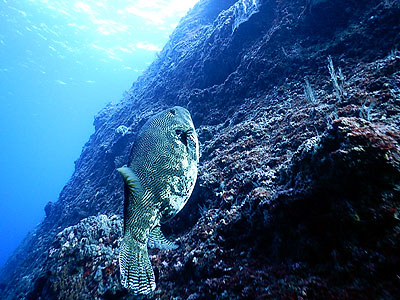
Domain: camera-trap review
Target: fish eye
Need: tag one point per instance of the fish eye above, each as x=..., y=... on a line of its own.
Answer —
x=172, y=111
x=182, y=135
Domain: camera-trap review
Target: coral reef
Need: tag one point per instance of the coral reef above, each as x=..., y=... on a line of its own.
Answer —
x=82, y=263
x=297, y=108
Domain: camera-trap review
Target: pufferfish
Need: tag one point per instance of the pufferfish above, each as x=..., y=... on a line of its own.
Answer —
x=158, y=182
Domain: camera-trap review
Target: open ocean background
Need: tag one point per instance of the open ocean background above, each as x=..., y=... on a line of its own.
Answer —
x=60, y=63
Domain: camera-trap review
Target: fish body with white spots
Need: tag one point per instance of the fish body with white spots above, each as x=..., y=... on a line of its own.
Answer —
x=158, y=182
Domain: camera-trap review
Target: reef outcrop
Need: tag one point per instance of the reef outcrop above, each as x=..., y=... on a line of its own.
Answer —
x=297, y=108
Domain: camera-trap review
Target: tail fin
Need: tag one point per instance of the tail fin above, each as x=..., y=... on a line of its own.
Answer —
x=136, y=272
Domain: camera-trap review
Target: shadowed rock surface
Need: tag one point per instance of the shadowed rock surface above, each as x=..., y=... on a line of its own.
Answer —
x=299, y=184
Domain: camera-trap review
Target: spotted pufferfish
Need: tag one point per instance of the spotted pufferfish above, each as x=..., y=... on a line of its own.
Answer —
x=158, y=182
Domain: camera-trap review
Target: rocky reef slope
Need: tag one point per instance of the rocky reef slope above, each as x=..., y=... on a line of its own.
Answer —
x=297, y=106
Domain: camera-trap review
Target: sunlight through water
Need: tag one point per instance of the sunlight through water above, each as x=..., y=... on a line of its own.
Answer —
x=60, y=63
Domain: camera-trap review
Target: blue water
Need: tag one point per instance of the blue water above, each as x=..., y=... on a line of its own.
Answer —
x=60, y=63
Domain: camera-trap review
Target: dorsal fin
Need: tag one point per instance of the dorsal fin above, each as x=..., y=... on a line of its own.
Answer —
x=158, y=240
x=132, y=181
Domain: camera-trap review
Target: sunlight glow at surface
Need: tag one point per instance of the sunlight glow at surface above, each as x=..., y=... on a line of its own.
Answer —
x=111, y=25
x=61, y=61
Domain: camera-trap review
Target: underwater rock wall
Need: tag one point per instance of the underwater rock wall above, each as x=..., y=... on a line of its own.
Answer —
x=299, y=183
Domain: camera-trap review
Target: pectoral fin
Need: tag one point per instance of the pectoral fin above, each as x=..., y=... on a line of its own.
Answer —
x=132, y=181
x=158, y=240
